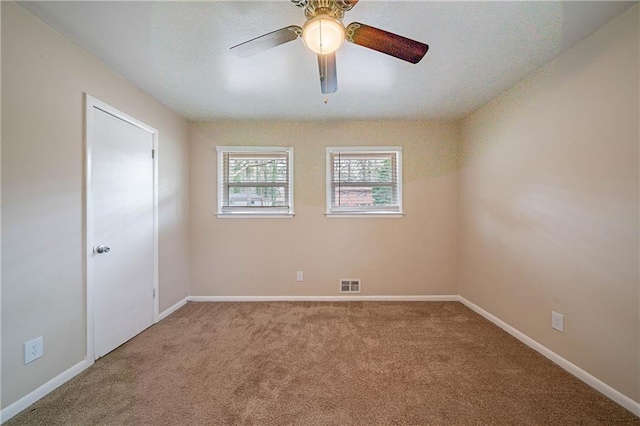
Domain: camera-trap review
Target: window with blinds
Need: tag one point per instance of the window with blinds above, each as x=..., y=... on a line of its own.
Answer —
x=364, y=180
x=255, y=180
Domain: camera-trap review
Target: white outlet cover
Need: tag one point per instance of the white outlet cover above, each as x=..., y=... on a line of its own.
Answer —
x=557, y=321
x=299, y=276
x=33, y=349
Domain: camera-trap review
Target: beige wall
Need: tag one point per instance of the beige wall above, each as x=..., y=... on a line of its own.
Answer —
x=547, y=201
x=43, y=291
x=414, y=255
x=549, y=205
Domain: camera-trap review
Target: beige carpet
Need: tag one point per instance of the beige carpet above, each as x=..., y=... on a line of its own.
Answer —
x=356, y=363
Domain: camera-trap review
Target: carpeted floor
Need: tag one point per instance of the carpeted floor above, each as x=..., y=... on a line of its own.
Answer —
x=353, y=363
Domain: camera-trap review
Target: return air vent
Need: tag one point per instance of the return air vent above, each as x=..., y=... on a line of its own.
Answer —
x=350, y=285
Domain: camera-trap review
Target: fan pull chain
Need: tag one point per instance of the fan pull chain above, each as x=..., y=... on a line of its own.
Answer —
x=321, y=46
x=324, y=80
x=326, y=69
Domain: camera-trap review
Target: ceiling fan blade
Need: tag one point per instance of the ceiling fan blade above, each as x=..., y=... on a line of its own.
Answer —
x=386, y=42
x=267, y=41
x=346, y=4
x=328, y=75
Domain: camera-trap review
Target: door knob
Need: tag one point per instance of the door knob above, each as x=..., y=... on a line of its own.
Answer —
x=102, y=249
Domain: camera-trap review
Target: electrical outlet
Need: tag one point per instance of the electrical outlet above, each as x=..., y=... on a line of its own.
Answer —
x=557, y=321
x=299, y=276
x=33, y=349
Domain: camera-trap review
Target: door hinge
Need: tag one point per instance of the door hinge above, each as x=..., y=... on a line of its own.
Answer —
x=154, y=293
x=153, y=153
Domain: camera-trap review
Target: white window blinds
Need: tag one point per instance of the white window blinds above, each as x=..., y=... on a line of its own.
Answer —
x=255, y=181
x=364, y=181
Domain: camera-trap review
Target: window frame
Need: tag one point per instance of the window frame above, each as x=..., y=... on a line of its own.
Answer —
x=364, y=212
x=264, y=214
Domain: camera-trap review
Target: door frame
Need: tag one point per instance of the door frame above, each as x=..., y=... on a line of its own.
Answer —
x=91, y=104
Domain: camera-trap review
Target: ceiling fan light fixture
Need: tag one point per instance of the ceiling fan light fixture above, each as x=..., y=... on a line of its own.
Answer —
x=323, y=34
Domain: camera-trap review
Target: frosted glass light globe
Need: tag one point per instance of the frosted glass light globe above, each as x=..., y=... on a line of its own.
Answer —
x=323, y=34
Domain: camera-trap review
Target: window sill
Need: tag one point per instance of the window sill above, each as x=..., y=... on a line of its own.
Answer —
x=254, y=216
x=361, y=215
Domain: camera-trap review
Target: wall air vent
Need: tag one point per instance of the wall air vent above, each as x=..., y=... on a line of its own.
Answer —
x=350, y=285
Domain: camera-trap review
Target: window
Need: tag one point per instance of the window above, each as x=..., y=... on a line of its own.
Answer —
x=255, y=181
x=364, y=181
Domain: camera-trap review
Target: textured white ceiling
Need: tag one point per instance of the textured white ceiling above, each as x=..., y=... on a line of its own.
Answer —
x=179, y=53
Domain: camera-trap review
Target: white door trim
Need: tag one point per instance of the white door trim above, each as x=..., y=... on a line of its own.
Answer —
x=92, y=103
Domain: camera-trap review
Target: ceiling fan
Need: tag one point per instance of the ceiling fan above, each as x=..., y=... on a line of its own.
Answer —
x=324, y=33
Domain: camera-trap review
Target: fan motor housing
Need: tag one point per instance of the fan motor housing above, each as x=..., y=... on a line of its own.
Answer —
x=333, y=8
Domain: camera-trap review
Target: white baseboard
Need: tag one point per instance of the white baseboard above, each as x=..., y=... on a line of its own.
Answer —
x=63, y=377
x=43, y=390
x=592, y=381
x=350, y=298
x=173, y=308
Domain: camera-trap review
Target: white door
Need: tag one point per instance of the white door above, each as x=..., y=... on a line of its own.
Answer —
x=121, y=212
